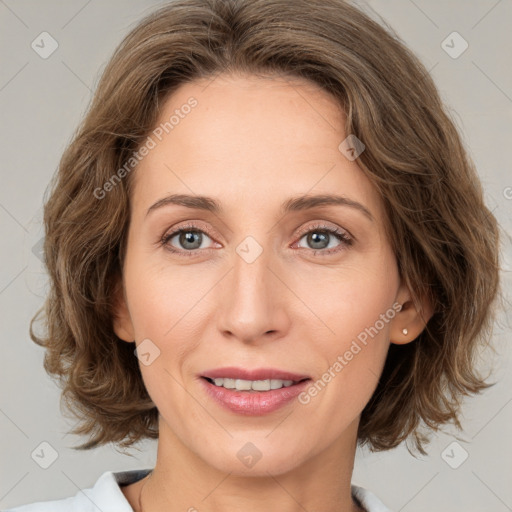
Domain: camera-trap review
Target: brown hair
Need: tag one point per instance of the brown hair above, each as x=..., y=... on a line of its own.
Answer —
x=444, y=238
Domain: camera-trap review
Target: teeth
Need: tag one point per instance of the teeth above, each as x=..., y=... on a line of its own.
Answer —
x=255, y=385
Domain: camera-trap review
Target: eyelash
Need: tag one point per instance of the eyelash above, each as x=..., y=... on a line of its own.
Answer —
x=342, y=236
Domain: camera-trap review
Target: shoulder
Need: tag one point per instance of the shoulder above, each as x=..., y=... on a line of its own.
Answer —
x=104, y=496
x=46, y=506
x=368, y=500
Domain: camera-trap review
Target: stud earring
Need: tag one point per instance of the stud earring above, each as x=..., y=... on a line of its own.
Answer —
x=405, y=331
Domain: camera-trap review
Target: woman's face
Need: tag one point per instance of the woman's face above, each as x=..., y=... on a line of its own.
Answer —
x=265, y=280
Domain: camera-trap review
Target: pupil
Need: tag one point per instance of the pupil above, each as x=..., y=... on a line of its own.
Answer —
x=318, y=238
x=190, y=237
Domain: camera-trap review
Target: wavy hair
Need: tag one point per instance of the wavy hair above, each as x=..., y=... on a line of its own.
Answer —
x=445, y=239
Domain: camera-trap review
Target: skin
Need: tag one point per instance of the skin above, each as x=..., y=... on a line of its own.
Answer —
x=252, y=143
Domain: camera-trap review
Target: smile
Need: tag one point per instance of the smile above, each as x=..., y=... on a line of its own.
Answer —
x=251, y=385
x=252, y=392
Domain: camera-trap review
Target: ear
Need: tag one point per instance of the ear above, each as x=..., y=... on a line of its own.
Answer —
x=413, y=316
x=122, y=321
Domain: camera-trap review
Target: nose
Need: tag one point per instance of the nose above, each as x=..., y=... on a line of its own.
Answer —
x=252, y=300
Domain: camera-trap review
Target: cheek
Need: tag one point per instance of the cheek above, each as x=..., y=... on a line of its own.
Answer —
x=350, y=299
x=161, y=297
x=161, y=304
x=355, y=306
x=169, y=306
x=349, y=364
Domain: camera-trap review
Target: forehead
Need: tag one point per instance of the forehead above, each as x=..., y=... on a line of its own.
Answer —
x=253, y=138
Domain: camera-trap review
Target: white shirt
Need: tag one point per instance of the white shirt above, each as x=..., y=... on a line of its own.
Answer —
x=106, y=496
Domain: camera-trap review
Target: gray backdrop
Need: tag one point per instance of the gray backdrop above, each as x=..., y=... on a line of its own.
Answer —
x=42, y=98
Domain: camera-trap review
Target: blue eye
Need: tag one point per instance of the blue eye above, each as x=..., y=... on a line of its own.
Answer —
x=188, y=238
x=320, y=239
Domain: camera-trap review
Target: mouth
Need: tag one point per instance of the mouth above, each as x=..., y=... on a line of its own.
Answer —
x=256, y=386
x=253, y=392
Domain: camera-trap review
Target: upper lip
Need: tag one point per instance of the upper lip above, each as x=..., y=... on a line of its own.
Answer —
x=232, y=372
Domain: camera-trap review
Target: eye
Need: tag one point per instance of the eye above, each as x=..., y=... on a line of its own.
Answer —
x=325, y=240
x=187, y=239
x=321, y=239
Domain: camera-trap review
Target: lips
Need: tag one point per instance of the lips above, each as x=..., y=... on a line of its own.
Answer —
x=253, y=403
x=232, y=372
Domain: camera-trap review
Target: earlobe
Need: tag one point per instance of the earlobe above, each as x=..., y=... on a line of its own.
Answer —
x=412, y=319
x=122, y=322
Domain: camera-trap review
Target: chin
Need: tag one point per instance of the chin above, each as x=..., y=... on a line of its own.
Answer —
x=252, y=455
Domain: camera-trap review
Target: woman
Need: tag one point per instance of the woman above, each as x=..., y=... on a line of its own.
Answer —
x=268, y=205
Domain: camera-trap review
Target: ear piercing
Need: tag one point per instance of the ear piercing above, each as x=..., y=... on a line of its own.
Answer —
x=405, y=331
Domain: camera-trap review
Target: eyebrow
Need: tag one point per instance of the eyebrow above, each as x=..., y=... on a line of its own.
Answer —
x=294, y=204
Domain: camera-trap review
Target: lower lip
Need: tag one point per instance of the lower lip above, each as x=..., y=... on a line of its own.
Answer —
x=253, y=403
